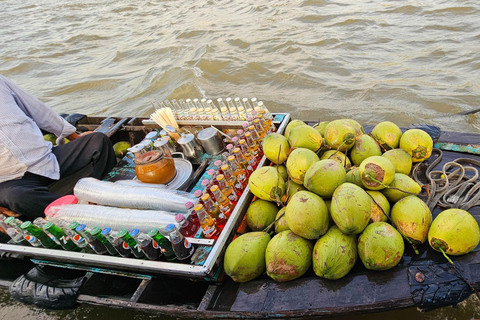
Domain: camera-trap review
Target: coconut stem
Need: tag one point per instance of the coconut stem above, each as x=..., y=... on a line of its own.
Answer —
x=371, y=176
x=278, y=199
x=458, y=272
x=267, y=229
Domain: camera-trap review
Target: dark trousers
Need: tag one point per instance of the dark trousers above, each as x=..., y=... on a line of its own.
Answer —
x=91, y=155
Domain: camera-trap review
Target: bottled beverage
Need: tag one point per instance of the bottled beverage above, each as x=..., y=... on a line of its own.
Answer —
x=232, y=109
x=40, y=222
x=226, y=207
x=253, y=146
x=120, y=246
x=229, y=148
x=79, y=241
x=263, y=123
x=247, y=153
x=186, y=228
x=248, y=106
x=58, y=233
x=182, y=248
x=238, y=171
x=180, y=111
x=198, y=194
x=255, y=136
x=94, y=243
x=148, y=246
x=105, y=237
x=240, y=108
x=134, y=247
x=206, y=184
x=192, y=215
x=14, y=232
x=209, y=109
x=192, y=110
x=258, y=126
x=214, y=210
x=232, y=180
x=169, y=105
x=200, y=109
x=223, y=110
x=212, y=173
x=227, y=190
x=240, y=134
x=209, y=229
x=218, y=166
x=164, y=244
x=242, y=160
x=29, y=228
x=214, y=110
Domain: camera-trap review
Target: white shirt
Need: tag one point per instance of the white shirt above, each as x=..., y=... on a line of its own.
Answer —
x=22, y=146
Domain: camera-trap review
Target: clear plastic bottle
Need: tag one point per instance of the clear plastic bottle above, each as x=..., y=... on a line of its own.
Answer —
x=200, y=109
x=248, y=153
x=209, y=109
x=253, y=146
x=120, y=246
x=168, y=104
x=238, y=171
x=243, y=161
x=248, y=106
x=182, y=248
x=240, y=108
x=209, y=229
x=192, y=215
x=180, y=111
x=214, y=110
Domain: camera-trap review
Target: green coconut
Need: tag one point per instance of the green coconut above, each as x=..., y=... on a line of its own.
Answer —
x=334, y=254
x=298, y=163
x=282, y=170
x=245, y=256
x=413, y=218
x=324, y=176
x=307, y=215
x=281, y=221
x=455, y=231
x=288, y=256
x=401, y=182
x=401, y=160
x=340, y=134
x=387, y=134
x=358, y=127
x=305, y=136
x=276, y=148
x=120, y=148
x=380, y=246
x=351, y=208
x=380, y=207
x=50, y=137
x=320, y=127
x=364, y=147
x=260, y=214
x=293, y=188
x=376, y=172
x=291, y=125
x=417, y=143
x=267, y=184
x=353, y=176
x=338, y=156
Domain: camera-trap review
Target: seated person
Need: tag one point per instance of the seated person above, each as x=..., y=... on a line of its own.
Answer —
x=31, y=169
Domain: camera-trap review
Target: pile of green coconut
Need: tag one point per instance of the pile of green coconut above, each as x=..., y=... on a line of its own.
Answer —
x=334, y=194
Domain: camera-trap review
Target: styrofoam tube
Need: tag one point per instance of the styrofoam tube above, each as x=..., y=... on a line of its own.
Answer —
x=136, y=197
x=115, y=218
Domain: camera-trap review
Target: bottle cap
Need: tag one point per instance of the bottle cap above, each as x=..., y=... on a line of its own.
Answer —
x=239, y=132
x=247, y=134
x=80, y=227
x=218, y=163
x=8, y=220
x=205, y=197
x=47, y=225
x=198, y=207
x=225, y=167
x=134, y=232
x=197, y=193
x=25, y=224
x=122, y=233
x=214, y=188
x=189, y=204
x=231, y=158
x=170, y=227
x=236, y=150
x=245, y=125
x=205, y=182
x=104, y=231
x=235, y=139
x=153, y=232
x=73, y=225
x=211, y=172
x=179, y=217
x=220, y=177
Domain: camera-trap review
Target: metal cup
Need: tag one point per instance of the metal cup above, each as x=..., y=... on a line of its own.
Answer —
x=211, y=141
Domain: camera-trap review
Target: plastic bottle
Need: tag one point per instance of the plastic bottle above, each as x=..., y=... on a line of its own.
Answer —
x=227, y=189
x=240, y=108
x=214, y=210
x=232, y=109
x=105, y=239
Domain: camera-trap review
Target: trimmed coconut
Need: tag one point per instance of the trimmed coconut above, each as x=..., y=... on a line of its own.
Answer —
x=338, y=156
x=380, y=246
x=351, y=208
x=281, y=221
x=413, y=218
x=334, y=254
x=288, y=256
x=293, y=124
x=307, y=215
x=245, y=256
x=324, y=176
x=298, y=163
x=340, y=134
x=260, y=214
x=455, y=231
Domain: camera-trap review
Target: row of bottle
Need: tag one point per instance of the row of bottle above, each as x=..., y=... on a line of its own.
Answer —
x=205, y=109
x=77, y=237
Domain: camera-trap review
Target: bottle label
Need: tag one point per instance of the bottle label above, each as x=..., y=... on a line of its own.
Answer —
x=155, y=245
x=125, y=245
x=208, y=230
x=77, y=238
x=187, y=244
x=233, y=197
x=223, y=209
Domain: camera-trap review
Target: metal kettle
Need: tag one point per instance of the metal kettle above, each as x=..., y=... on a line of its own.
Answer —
x=190, y=147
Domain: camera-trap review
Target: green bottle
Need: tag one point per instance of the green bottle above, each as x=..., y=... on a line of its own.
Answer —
x=35, y=231
x=136, y=250
x=97, y=233
x=58, y=233
x=164, y=244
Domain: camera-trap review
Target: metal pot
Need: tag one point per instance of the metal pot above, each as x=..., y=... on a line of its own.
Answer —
x=190, y=148
x=211, y=141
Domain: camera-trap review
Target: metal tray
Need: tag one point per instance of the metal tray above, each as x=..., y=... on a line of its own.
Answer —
x=205, y=271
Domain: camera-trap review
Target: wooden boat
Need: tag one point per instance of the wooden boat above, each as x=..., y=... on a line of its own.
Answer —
x=425, y=280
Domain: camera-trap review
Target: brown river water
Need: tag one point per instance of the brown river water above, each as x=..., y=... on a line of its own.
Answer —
x=405, y=61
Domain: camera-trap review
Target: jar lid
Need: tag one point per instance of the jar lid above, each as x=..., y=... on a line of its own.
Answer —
x=207, y=133
x=160, y=143
x=149, y=157
x=185, y=138
x=136, y=148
